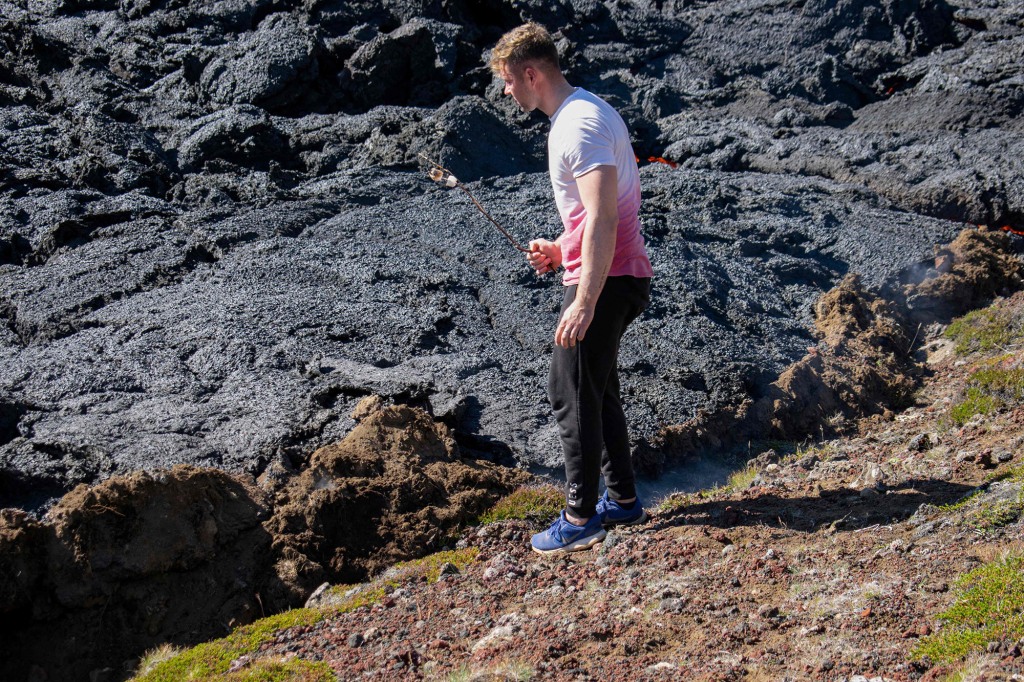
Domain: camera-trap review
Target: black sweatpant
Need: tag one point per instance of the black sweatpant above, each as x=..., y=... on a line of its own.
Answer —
x=583, y=387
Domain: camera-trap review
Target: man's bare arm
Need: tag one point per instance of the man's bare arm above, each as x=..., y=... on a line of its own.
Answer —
x=599, y=194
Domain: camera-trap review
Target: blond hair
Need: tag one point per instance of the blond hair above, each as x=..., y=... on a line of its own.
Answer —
x=529, y=42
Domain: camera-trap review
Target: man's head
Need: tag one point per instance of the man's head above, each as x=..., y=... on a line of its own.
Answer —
x=527, y=60
x=529, y=43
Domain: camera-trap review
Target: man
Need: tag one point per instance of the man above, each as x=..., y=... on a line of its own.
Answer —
x=607, y=284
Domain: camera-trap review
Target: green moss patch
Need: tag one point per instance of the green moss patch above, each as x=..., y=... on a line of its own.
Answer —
x=963, y=503
x=528, y=502
x=975, y=402
x=989, y=606
x=984, y=330
x=989, y=390
x=994, y=516
x=430, y=566
x=214, y=658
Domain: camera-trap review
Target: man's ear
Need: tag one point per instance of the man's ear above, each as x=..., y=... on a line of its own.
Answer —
x=530, y=74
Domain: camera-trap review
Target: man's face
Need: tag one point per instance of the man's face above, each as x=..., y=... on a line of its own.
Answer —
x=520, y=86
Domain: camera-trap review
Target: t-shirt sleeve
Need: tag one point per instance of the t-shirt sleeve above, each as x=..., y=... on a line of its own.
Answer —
x=590, y=146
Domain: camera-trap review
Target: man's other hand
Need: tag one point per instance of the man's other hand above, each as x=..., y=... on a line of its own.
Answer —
x=544, y=256
x=574, y=324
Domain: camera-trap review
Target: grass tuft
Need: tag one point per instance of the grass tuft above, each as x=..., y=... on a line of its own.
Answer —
x=527, y=502
x=430, y=566
x=741, y=479
x=154, y=657
x=988, y=390
x=989, y=606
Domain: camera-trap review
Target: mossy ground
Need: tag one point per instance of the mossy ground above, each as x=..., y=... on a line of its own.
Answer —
x=996, y=384
x=211, y=659
x=986, y=329
x=989, y=606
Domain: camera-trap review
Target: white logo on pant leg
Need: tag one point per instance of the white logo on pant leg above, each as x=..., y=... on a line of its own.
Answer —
x=573, y=494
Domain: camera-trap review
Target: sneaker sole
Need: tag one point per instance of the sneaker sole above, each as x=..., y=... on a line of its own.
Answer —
x=581, y=544
x=640, y=519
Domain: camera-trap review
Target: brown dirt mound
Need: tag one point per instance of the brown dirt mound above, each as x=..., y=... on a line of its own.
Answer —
x=183, y=555
x=975, y=268
x=395, y=488
x=126, y=564
x=861, y=367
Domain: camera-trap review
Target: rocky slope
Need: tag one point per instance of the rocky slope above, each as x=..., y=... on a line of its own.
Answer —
x=215, y=239
x=832, y=561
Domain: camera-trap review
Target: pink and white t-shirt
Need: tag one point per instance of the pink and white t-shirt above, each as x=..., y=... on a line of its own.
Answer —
x=586, y=132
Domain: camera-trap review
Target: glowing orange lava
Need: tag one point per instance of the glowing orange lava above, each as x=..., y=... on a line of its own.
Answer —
x=658, y=159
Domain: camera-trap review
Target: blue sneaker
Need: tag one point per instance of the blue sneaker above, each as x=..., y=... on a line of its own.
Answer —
x=563, y=536
x=612, y=514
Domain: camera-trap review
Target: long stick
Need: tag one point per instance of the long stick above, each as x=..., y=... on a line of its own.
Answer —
x=439, y=173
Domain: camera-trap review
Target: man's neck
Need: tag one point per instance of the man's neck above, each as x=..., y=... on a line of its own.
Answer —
x=560, y=90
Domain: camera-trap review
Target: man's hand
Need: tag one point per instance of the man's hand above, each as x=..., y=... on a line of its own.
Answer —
x=574, y=324
x=544, y=256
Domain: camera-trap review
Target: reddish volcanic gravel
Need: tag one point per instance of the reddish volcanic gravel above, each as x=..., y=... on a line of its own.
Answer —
x=831, y=564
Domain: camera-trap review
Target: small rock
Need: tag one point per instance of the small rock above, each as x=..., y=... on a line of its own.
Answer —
x=807, y=462
x=919, y=443
x=315, y=599
x=663, y=666
x=767, y=611
x=355, y=640
x=923, y=529
x=1004, y=456
x=447, y=569
x=671, y=605
x=728, y=549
